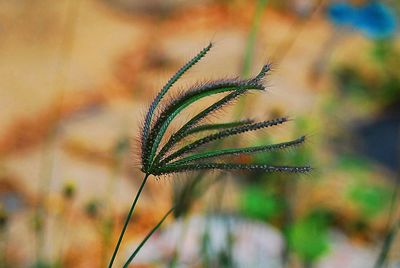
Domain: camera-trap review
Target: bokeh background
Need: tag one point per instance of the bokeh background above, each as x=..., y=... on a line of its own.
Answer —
x=76, y=77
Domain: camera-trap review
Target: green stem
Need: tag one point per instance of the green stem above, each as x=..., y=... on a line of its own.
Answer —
x=46, y=170
x=392, y=231
x=308, y=264
x=387, y=244
x=251, y=39
x=3, y=246
x=205, y=242
x=185, y=222
x=249, y=50
x=146, y=238
x=128, y=217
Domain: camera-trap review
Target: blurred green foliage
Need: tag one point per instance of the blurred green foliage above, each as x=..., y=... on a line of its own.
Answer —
x=353, y=164
x=371, y=199
x=308, y=236
x=259, y=203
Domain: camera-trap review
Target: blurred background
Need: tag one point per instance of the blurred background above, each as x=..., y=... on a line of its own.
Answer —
x=76, y=77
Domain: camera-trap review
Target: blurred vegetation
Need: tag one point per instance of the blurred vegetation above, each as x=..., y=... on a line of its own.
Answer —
x=349, y=88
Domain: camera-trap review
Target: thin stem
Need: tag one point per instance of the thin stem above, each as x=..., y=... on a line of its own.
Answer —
x=392, y=231
x=295, y=31
x=180, y=243
x=64, y=221
x=249, y=50
x=251, y=38
x=47, y=165
x=128, y=217
x=107, y=224
x=308, y=264
x=387, y=244
x=146, y=238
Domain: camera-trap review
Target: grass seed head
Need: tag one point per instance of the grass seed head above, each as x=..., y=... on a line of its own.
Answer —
x=173, y=156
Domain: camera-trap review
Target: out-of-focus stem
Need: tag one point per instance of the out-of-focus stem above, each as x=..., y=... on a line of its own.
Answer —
x=387, y=244
x=392, y=232
x=46, y=170
x=251, y=38
x=249, y=50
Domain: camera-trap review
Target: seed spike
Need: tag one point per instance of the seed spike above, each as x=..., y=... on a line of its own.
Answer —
x=166, y=87
x=159, y=160
x=209, y=127
x=185, y=130
x=230, y=166
x=238, y=151
x=264, y=70
x=221, y=135
x=181, y=103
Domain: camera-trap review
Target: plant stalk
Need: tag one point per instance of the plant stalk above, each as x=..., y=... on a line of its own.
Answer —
x=387, y=244
x=250, y=47
x=146, y=238
x=128, y=217
x=392, y=231
x=251, y=38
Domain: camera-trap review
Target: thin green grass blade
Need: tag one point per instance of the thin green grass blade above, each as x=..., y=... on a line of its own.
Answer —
x=239, y=151
x=221, y=135
x=167, y=86
x=251, y=38
x=147, y=238
x=249, y=51
x=387, y=244
x=167, y=169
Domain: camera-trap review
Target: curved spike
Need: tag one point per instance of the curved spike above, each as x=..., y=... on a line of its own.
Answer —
x=264, y=70
x=221, y=135
x=181, y=103
x=239, y=151
x=209, y=127
x=166, y=87
x=230, y=166
x=187, y=128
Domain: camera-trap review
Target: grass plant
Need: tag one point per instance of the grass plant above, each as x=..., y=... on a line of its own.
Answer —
x=181, y=151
